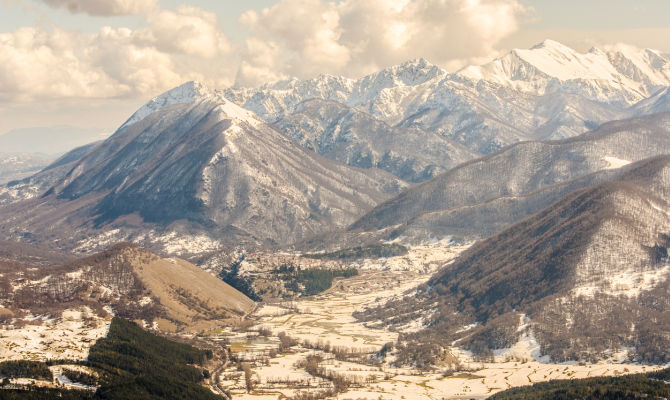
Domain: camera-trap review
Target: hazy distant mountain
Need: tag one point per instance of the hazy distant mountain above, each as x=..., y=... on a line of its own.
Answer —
x=42, y=177
x=547, y=92
x=14, y=166
x=485, y=195
x=586, y=277
x=191, y=162
x=24, y=152
x=53, y=140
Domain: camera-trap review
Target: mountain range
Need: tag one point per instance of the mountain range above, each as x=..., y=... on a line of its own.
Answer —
x=180, y=160
x=292, y=160
x=547, y=92
x=554, y=163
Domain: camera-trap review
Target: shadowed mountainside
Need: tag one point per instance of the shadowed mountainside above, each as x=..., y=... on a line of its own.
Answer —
x=485, y=195
x=585, y=277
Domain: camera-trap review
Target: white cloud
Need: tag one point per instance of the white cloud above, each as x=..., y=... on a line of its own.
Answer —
x=36, y=62
x=104, y=7
x=132, y=67
x=180, y=45
x=356, y=37
x=188, y=30
x=262, y=62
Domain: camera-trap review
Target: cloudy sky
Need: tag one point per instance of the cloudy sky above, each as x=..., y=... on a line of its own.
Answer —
x=91, y=63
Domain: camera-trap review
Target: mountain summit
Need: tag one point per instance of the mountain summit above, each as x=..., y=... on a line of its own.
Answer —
x=188, y=92
x=618, y=75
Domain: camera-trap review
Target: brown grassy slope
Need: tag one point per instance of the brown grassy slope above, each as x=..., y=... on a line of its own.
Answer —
x=134, y=282
x=190, y=295
x=191, y=298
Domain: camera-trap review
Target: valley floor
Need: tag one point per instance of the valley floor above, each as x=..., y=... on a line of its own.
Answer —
x=326, y=331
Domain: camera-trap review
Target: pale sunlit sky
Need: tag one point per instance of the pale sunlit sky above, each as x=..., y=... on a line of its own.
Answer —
x=91, y=63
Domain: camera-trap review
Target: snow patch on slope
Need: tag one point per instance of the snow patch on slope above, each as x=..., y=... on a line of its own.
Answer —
x=68, y=336
x=527, y=348
x=181, y=243
x=614, y=162
x=11, y=194
x=104, y=239
x=625, y=283
x=425, y=258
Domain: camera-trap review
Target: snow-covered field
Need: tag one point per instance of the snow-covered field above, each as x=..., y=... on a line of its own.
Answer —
x=481, y=383
x=68, y=336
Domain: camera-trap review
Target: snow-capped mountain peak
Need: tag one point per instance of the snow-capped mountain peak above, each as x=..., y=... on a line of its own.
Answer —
x=229, y=110
x=195, y=92
x=552, y=45
x=410, y=73
x=549, y=59
x=620, y=75
x=186, y=93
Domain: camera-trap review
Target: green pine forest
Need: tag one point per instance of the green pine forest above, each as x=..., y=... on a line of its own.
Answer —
x=131, y=363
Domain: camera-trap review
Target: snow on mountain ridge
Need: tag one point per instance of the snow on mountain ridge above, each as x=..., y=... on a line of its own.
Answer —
x=547, y=92
x=410, y=73
x=182, y=94
x=190, y=92
x=648, y=66
x=618, y=74
x=659, y=102
x=273, y=99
